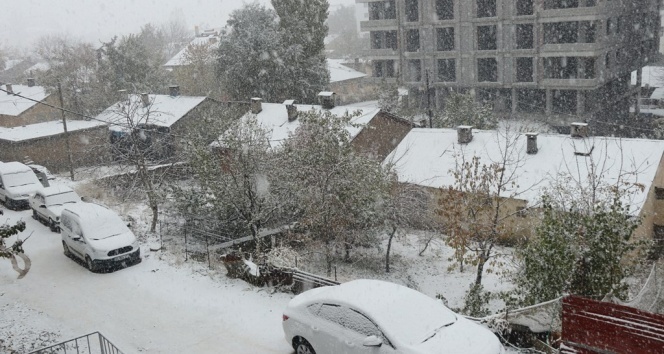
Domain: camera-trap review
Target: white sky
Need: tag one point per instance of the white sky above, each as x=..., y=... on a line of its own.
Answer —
x=23, y=21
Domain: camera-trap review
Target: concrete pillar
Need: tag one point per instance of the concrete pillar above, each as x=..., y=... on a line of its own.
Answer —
x=580, y=102
x=549, y=101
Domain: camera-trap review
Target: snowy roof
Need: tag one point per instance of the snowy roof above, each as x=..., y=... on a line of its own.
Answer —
x=274, y=118
x=165, y=110
x=180, y=59
x=652, y=76
x=11, y=105
x=41, y=66
x=340, y=72
x=41, y=130
x=426, y=156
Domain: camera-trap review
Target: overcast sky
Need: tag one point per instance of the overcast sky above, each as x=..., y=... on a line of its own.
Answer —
x=23, y=21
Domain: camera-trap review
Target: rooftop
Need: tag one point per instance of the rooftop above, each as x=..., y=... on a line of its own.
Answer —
x=340, y=72
x=41, y=130
x=164, y=110
x=652, y=76
x=11, y=105
x=180, y=59
x=426, y=156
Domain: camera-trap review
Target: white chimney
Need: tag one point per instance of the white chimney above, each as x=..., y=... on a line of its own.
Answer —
x=531, y=146
x=327, y=99
x=174, y=90
x=291, y=109
x=10, y=90
x=465, y=134
x=579, y=130
x=146, y=99
x=256, y=105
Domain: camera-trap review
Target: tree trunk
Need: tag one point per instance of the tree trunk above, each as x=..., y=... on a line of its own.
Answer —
x=328, y=258
x=347, y=246
x=389, y=246
x=480, y=269
x=155, y=215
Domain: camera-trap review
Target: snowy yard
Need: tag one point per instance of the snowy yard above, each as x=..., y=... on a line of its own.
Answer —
x=165, y=306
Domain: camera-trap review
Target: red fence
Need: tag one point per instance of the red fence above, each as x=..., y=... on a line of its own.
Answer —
x=591, y=326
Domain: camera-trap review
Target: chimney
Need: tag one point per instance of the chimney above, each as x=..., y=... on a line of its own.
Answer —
x=146, y=99
x=197, y=30
x=256, y=105
x=579, y=130
x=10, y=90
x=465, y=134
x=31, y=82
x=327, y=99
x=174, y=90
x=291, y=109
x=531, y=146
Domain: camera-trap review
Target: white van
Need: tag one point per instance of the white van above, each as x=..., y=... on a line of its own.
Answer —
x=17, y=183
x=98, y=236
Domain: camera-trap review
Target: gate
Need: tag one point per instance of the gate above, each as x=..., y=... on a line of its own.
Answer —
x=93, y=343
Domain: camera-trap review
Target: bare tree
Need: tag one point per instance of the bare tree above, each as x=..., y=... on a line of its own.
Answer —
x=16, y=249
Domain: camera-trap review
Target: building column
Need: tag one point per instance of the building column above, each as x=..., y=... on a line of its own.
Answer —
x=515, y=101
x=580, y=102
x=549, y=101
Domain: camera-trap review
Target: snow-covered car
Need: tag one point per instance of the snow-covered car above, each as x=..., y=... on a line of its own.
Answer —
x=98, y=236
x=48, y=202
x=372, y=316
x=17, y=183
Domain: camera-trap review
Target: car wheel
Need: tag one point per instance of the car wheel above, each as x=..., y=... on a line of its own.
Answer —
x=303, y=347
x=90, y=264
x=53, y=226
x=34, y=215
x=67, y=251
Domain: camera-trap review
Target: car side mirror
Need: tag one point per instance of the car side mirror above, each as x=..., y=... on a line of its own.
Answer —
x=372, y=341
x=76, y=238
x=129, y=225
x=43, y=206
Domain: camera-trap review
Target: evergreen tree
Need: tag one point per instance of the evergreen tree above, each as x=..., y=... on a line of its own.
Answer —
x=461, y=109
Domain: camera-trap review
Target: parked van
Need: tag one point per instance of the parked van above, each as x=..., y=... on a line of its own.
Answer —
x=97, y=236
x=17, y=183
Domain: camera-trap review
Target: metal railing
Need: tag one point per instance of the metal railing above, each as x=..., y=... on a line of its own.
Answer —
x=93, y=343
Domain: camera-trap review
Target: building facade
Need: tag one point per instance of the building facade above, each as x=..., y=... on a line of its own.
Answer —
x=554, y=60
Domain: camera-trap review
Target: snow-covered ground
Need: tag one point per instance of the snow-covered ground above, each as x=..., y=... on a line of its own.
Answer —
x=163, y=305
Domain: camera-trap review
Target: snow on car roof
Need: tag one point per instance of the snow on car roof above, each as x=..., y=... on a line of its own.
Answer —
x=14, y=167
x=398, y=310
x=97, y=219
x=55, y=189
x=426, y=156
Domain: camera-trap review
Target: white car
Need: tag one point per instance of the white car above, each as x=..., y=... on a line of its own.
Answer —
x=48, y=202
x=97, y=236
x=17, y=183
x=372, y=316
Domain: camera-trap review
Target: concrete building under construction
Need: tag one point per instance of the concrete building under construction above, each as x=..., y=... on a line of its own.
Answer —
x=552, y=60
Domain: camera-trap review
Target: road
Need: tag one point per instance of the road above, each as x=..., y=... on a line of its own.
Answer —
x=151, y=307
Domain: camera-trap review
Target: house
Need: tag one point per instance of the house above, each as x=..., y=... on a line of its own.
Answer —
x=349, y=84
x=46, y=144
x=372, y=131
x=164, y=118
x=17, y=111
x=208, y=38
x=426, y=157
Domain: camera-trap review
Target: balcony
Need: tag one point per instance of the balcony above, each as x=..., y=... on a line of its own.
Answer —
x=378, y=25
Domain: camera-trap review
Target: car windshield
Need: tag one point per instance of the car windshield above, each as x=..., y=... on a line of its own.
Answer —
x=20, y=179
x=62, y=198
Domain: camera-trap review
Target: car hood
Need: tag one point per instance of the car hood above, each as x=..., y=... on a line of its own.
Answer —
x=56, y=209
x=462, y=337
x=24, y=190
x=114, y=242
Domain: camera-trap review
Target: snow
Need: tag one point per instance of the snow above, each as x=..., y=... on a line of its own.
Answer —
x=274, y=118
x=45, y=129
x=652, y=76
x=180, y=59
x=11, y=105
x=41, y=66
x=165, y=110
x=658, y=93
x=426, y=156
x=340, y=72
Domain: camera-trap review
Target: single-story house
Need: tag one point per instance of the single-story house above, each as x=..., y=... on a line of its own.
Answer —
x=349, y=84
x=46, y=144
x=426, y=157
x=372, y=131
x=208, y=38
x=17, y=111
x=166, y=119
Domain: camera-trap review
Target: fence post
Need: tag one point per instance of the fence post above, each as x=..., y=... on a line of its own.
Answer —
x=185, y=243
x=161, y=236
x=335, y=273
x=207, y=248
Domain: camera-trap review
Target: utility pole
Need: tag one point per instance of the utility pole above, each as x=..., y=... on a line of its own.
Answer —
x=428, y=90
x=64, y=125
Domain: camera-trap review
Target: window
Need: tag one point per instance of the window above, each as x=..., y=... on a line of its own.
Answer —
x=445, y=9
x=447, y=70
x=531, y=101
x=607, y=60
x=587, y=67
x=560, y=68
x=524, y=36
x=587, y=32
x=524, y=7
x=382, y=10
x=332, y=313
x=486, y=8
x=560, y=4
x=609, y=26
x=659, y=193
x=564, y=101
x=487, y=70
x=414, y=70
x=486, y=38
x=445, y=39
x=561, y=32
x=524, y=69
x=658, y=238
x=412, y=40
x=412, y=11
x=383, y=68
x=383, y=40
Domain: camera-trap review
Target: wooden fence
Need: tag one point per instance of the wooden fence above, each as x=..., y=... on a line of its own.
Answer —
x=591, y=326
